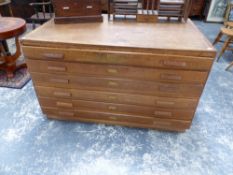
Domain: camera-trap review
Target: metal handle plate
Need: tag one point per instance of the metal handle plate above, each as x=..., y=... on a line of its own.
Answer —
x=57, y=68
x=163, y=113
x=170, y=77
x=62, y=94
x=64, y=105
x=53, y=55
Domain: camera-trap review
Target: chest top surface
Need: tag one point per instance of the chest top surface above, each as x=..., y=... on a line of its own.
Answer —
x=158, y=36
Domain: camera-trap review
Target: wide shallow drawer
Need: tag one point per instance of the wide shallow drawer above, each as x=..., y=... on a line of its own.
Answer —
x=119, y=58
x=163, y=75
x=118, y=85
x=183, y=114
x=122, y=98
x=117, y=119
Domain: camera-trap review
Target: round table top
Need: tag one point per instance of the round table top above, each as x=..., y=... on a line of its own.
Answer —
x=11, y=27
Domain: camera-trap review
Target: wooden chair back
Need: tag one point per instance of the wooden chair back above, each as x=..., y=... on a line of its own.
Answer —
x=43, y=11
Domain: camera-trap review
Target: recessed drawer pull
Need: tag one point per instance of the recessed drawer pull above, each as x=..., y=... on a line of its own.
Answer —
x=62, y=94
x=159, y=123
x=64, y=105
x=56, y=68
x=53, y=55
x=113, y=118
x=68, y=114
x=163, y=114
x=165, y=88
x=113, y=84
x=112, y=97
x=89, y=6
x=113, y=108
x=112, y=71
x=66, y=8
x=57, y=80
x=174, y=63
x=165, y=103
x=170, y=77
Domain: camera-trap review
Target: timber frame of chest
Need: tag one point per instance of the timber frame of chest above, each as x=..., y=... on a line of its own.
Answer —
x=124, y=73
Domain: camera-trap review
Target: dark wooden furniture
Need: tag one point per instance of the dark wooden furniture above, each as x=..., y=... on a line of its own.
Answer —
x=77, y=11
x=9, y=28
x=43, y=12
x=116, y=73
x=6, y=3
x=197, y=8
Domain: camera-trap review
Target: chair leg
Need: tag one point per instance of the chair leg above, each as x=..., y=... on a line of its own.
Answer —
x=229, y=66
x=33, y=25
x=218, y=38
x=225, y=46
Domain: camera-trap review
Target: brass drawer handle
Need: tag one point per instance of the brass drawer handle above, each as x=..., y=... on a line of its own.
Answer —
x=68, y=114
x=112, y=71
x=163, y=114
x=57, y=80
x=64, y=105
x=165, y=103
x=56, y=68
x=53, y=55
x=62, y=94
x=167, y=88
x=113, y=108
x=170, y=77
x=113, y=118
x=174, y=63
x=112, y=97
x=113, y=84
x=159, y=123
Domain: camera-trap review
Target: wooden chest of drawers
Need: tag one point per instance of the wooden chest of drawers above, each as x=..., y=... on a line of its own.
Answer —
x=124, y=73
x=77, y=11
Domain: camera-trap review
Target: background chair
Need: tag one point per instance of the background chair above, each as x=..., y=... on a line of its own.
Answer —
x=227, y=30
x=229, y=11
x=43, y=12
x=6, y=3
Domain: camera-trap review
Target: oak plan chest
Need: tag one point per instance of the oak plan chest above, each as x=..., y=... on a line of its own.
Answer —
x=124, y=73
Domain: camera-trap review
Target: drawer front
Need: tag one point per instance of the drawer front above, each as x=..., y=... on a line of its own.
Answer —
x=118, y=85
x=121, y=98
x=162, y=75
x=70, y=8
x=117, y=119
x=183, y=114
x=119, y=58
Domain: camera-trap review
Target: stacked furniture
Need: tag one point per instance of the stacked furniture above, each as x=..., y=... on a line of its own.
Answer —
x=116, y=73
x=124, y=7
x=149, y=11
x=175, y=8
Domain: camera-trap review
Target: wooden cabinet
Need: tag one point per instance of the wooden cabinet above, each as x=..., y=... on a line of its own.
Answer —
x=116, y=73
x=197, y=8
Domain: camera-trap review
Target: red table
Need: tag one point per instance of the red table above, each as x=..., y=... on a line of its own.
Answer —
x=11, y=28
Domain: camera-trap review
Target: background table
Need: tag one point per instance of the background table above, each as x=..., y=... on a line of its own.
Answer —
x=11, y=28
